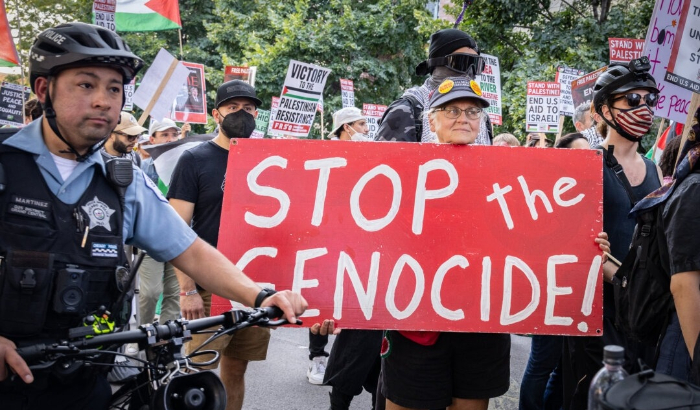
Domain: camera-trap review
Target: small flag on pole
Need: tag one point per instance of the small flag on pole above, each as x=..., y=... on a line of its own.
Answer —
x=8, y=52
x=148, y=15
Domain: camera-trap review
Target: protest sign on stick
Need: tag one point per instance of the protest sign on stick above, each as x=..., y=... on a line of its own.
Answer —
x=420, y=236
x=673, y=100
x=490, y=84
x=191, y=102
x=261, y=123
x=373, y=113
x=12, y=104
x=246, y=74
x=160, y=86
x=684, y=64
x=129, y=95
x=564, y=76
x=347, y=92
x=301, y=93
x=542, y=106
x=623, y=50
x=273, y=111
x=582, y=87
x=103, y=11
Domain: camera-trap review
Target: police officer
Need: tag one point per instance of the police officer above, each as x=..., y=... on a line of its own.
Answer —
x=64, y=218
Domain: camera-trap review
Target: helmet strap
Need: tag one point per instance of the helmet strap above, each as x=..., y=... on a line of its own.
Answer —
x=50, y=115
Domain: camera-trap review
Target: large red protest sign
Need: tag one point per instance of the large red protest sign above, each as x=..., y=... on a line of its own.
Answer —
x=421, y=236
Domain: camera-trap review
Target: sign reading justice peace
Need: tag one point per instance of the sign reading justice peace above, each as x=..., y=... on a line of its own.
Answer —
x=420, y=236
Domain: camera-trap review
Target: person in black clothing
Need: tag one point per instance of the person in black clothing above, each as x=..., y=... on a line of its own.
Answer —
x=624, y=98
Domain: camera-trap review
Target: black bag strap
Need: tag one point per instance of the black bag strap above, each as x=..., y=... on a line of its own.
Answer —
x=417, y=114
x=611, y=162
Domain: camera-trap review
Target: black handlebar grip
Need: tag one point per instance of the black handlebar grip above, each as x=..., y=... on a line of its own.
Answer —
x=33, y=352
x=272, y=312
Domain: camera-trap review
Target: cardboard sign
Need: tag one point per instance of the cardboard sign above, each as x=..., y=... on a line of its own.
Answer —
x=564, y=76
x=421, y=236
x=261, y=123
x=490, y=83
x=246, y=74
x=582, y=87
x=624, y=50
x=663, y=29
x=160, y=86
x=542, y=106
x=11, y=104
x=684, y=66
x=302, y=91
x=373, y=113
x=347, y=93
x=103, y=11
x=190, y=105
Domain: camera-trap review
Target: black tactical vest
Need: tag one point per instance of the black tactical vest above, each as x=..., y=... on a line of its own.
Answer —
x=60, y=262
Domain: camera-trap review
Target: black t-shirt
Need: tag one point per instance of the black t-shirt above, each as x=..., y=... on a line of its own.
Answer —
x=682, y=225
x=199, y=178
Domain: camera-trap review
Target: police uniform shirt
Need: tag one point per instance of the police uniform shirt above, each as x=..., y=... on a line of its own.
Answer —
x=150, y=223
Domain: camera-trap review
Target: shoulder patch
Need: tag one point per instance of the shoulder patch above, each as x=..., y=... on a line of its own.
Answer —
x=151, y=186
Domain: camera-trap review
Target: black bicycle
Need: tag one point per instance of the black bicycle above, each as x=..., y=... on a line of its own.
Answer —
x=167, y=380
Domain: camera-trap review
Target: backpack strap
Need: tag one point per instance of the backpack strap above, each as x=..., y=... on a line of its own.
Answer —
x=417, y=114
x=611, y=162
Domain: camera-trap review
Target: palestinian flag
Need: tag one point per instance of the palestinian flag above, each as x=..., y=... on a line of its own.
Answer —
x=165, y=156
x=299, y=94
x=8, y=52
x=670, y=133
x=147, y=15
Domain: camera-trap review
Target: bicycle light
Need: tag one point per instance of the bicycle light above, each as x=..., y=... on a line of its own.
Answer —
x=195, y=391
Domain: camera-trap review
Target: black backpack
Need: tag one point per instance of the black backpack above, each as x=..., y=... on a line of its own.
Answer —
x=642, y=283
x=417, y=108
x=648, y=390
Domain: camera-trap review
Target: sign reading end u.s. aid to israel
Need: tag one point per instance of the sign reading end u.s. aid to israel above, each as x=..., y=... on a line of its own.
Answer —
x=421, y=236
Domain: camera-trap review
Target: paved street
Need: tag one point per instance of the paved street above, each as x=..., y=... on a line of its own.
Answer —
x=280, y=382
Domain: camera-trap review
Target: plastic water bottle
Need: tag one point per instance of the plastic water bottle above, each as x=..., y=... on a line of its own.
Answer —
x=611, y=373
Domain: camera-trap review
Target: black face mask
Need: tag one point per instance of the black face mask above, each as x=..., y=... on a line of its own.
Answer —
x=238, y=124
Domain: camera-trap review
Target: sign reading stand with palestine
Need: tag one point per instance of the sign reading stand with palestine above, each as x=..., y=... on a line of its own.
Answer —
x=490, y=84
x=104, y=13
x=302, y=91
x=347, y=92
x=373, y=113
x=420, y=236
x=624, y=50
x=542, y=106
x=684, y=65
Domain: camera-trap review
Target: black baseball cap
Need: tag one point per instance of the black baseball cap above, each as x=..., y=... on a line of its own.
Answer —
x=236, y=89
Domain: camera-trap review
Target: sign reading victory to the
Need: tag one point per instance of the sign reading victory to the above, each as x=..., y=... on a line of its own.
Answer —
x=542, y=106
x=302, y=91
x=421, y=236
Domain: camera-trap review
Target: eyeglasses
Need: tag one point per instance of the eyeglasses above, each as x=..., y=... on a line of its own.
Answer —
x=452, y=112
x=129, y=137
x=633, y=99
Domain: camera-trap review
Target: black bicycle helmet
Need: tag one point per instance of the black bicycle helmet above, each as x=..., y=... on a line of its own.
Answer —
x=619, y=78
x=78, y=45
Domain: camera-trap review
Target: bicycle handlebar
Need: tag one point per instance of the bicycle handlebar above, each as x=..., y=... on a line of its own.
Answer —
x=156, y=332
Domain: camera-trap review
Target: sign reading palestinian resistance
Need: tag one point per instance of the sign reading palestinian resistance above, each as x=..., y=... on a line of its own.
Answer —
x=684, y=65
x=623, y=50
x=11, y=104
x=490, y=83
x=373, y=113
x=582, y=87
x=273, y=111
x=347, y=92
x=191, y=100
x=301, y=93
x=663, y=30
x=542, y=106
x=261, y=124
x=103, y=11
x=564, y=76
x=246, y=74
x=420, y=236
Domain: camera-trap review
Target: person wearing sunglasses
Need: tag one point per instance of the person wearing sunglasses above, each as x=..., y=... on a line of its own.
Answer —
x=122, y=140
x=452, y=53
x=624, y=98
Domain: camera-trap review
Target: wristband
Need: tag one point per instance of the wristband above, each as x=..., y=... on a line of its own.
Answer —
x=189, y=292
x=264, y=294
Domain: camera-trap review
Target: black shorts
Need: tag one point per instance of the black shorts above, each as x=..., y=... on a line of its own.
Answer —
x=460, y=365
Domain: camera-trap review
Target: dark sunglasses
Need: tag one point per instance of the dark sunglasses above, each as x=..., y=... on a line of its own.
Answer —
x=129, y=137
x=633, y=99
x=461, y=62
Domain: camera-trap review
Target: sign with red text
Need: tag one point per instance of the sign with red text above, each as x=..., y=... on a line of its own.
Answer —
x=301, y=94
x=663, y=29
x=273, y=111
x=103, y=11
x=420, y=236
x=191, y=102
x=246, y=74
x=582, y=87
x=347, y=93
x=542, y=106
x=490, y=83
x=564, y=76
x=684, y=66
x=373, y=113
x=623, y=50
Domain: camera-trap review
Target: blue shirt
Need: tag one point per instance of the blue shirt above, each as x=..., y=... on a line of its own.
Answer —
x=150, y=223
